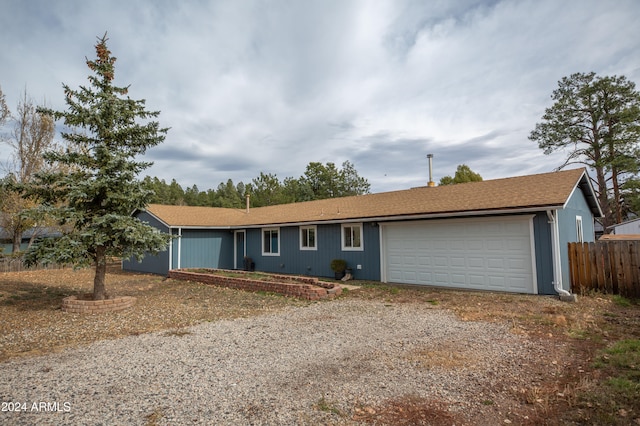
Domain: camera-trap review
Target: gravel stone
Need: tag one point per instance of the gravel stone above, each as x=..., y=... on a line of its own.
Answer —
x=318, y=364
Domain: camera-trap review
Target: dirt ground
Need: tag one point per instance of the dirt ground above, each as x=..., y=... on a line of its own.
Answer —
x=576, y=392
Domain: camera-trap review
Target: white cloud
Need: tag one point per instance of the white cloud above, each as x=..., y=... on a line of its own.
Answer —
x=250, y=87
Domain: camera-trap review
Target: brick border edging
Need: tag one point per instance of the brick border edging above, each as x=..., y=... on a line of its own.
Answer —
x=311, y=289
x=76, y=305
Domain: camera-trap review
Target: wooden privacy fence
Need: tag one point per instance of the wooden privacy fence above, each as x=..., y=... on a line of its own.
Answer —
x=607, y=266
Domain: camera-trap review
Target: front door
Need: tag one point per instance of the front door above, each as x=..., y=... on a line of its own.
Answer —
x=240, y=249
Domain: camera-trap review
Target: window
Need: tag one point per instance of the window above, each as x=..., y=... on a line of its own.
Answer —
x=308, y=238
x=352, y=236
x=270, y=242
x=579, y=234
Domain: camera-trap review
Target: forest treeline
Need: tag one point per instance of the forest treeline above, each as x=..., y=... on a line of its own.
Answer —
x=319, y=181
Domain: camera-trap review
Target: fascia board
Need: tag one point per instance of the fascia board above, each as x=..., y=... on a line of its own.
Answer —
x=156, y=218
x=407, y=217
x=222, y=228
x=584, y=178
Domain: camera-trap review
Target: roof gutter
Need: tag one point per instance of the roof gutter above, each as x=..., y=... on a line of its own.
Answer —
x=448, y=215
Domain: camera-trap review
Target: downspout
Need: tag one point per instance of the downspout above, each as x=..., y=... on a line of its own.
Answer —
x=555, y=250
x=171, y=250
x=383, y=257
x=179, y=248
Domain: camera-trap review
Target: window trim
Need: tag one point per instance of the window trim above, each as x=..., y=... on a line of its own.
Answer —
x=579, y=230
x=276, y=253
x=361, y=232
x=315, y=239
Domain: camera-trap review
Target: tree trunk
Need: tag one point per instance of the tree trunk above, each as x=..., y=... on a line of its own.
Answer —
x=603, y=196
x=616, y=195
x=603, y=199
x=99, y=290
x=616, y=207
x=32, y=239
x=16, y=240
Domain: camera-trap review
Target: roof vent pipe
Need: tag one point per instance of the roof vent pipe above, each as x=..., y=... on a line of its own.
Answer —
x=248, y=196
x=431, y=183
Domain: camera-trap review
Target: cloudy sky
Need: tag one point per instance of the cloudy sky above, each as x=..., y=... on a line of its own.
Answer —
x=269, y=86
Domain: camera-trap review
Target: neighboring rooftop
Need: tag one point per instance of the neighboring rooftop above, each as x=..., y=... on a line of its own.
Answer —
x=523, y=193
x=620, y=237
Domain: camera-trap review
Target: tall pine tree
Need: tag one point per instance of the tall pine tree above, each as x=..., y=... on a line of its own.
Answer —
x=596, y=121
x=97, y=189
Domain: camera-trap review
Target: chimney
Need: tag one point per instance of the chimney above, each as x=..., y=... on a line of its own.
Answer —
x=248, y=195
x=431, y=183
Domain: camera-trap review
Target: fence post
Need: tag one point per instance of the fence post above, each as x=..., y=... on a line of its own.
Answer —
x=634, y=290
x=574, y=278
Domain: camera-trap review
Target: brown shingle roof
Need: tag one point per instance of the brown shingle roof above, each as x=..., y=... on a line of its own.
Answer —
x=516, y=193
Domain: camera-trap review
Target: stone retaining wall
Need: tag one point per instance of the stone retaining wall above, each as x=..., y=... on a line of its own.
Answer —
x=85, y=305
x=305, y=288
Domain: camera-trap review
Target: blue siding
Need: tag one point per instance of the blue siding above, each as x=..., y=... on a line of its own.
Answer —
x=8, y=247
x=158, y=264
x=152, y=264
x=204, y=249
x=196, y=248
x=543, y=253
x=576, y=206
x=215, y=248
x=292, y=260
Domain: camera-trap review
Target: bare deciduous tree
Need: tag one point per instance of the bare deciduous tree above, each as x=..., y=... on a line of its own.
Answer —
x=33, y=134
x=4, y=110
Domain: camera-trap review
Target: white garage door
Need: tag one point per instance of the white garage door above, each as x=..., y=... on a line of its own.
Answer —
x=476, y=253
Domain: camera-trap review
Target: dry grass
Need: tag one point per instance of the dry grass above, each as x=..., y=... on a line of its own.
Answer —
x=407, y=410
x=31, y=321
x=591, y=317
x=574, y=388
x=446, y=356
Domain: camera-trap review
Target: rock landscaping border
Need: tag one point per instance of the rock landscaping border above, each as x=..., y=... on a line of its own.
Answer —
x=309, y=288
x=85, y=305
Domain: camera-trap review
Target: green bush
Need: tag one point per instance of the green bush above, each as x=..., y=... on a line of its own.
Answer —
x=338, y=265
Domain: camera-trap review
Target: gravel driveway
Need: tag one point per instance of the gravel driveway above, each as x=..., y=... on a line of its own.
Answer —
x=327, y=363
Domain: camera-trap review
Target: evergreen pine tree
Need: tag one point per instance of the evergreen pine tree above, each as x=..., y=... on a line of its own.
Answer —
x=96, y=190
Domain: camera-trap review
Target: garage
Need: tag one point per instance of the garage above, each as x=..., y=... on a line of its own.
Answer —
x=489, y=253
